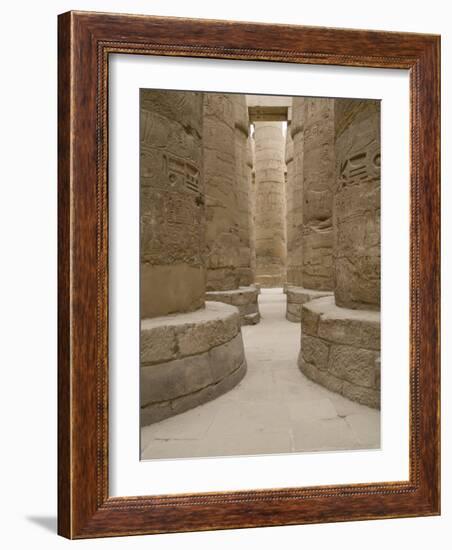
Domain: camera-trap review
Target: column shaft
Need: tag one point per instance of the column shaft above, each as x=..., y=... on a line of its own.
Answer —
x=223, y=242
x=196, y=353
x=270, y=205
x=172, y=203
x=357, y=204
x=340, y=342
x=241, y=124
x=318, y=185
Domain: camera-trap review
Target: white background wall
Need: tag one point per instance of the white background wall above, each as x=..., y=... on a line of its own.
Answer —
x=28, y=270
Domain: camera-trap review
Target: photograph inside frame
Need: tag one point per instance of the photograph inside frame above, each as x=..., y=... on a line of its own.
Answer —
x=259, y=274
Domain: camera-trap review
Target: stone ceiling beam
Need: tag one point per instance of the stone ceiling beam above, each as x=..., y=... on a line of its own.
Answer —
x=268, y=114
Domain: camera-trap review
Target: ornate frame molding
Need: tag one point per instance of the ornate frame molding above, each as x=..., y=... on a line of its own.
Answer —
x=85, y=42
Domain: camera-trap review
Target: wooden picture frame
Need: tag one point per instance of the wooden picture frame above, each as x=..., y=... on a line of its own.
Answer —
x=85, y=42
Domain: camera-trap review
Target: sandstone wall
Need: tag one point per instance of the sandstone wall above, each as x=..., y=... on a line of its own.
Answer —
x=172, y=219
x=318, y=186
x=222, y=236
x=357, y=204
x=270, y=204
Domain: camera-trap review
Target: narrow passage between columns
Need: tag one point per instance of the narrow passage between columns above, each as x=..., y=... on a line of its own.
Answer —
x=274, y=409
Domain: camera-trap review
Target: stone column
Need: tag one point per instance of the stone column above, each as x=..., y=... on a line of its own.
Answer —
x=191, y=351
x=340, y=344
x=270, y=205
x=318, y=185
x=223, y=241
x=252, y=199
x=357, y=205
x=311, y=245
x=241, y=124
x=229, y=274
x=173, y=219
x=296, y=143
x=293, y=218
x=289, y=184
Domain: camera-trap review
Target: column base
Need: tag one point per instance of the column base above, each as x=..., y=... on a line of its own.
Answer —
x=340, y=349
x=188, y=359
x=244, y=298
x=297, y=296
x=270, y=281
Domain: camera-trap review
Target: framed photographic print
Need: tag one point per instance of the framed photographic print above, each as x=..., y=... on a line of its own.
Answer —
x=248, y=275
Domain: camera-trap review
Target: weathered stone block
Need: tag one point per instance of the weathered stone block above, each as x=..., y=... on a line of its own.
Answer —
x=297, y=296
x=166, y=381
x=294, y=309
x=245, y=274
x=158, y=345
x=364, y=332
x=365, y=396
x=359, y=328
x=321, y=377
x=340, y=349
x=244, y=298
x=227, y=357
x=251, y=319
x=315, y=351
x=184, y=334
x=293, y=317
x=247, y=309
x=204, y=358
x=156, y=411
x=356, y=365
x=198, y=337
x=309, y=321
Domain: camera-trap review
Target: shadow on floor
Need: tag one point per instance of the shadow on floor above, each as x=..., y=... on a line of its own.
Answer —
x=49, y=523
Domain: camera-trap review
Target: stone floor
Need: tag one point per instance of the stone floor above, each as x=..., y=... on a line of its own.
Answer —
x=274, y=409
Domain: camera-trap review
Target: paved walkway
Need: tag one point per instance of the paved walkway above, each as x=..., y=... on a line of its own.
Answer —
x=274, y=409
